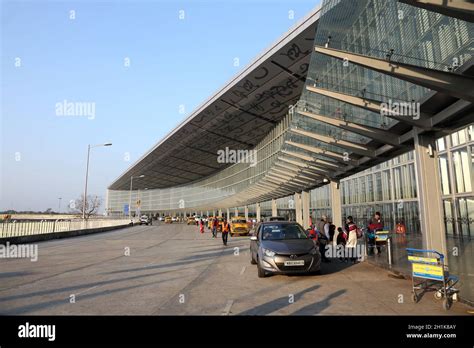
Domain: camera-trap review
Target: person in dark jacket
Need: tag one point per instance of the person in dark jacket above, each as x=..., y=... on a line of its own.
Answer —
x=376, y=224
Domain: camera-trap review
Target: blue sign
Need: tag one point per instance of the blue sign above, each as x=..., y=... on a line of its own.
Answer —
x=125, y=209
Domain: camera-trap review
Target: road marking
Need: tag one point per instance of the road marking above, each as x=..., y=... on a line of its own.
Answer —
x=80, y=293
x=227, y=307
x=243, y=270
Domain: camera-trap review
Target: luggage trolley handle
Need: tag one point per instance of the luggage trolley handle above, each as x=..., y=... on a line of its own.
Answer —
x=413, y=250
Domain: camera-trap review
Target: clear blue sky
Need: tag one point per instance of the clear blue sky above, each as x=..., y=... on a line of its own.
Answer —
x=173, y=62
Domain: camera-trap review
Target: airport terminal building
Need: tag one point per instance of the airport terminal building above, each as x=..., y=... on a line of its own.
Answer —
x=362, y=106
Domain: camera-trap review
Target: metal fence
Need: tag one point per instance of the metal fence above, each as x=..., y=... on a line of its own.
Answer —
x=29, y=228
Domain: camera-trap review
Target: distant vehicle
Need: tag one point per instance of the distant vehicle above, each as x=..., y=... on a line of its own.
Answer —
x=174, y=219
x=144, y=220
x=161, y=218
x=238, y=225
x=283, y=248
x=168, y=220
x=191, y=220
x=197, y=218
x=276, y=218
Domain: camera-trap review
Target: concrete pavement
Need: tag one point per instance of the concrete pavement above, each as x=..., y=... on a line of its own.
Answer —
x=175, y=270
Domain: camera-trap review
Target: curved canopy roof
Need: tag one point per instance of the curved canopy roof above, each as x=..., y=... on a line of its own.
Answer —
x=238, y=116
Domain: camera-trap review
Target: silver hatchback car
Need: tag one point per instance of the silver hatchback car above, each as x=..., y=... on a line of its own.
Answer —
x=279, y=247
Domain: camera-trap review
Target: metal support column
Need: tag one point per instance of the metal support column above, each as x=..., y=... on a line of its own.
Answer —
x=274, y=207
x=336, y=207
x=298, y=208
x=305, y=198
x=429, y=193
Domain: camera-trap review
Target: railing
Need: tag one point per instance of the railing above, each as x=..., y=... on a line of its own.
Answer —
x=30, y=228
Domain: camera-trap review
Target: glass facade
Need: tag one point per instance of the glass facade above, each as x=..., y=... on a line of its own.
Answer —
x=399, y=32
x=377, y=28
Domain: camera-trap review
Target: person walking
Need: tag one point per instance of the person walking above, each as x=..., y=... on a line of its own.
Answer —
x=201, y=225
x=225, y=231
x=214, y=227
x=351, y=243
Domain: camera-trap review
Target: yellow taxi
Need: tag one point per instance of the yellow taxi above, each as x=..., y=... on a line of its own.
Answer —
x=239, y=226
x=168, y=220
x=191, y=220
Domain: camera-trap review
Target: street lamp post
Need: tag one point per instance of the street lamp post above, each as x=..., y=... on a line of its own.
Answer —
x=84, y=203
x=130, y=201
x=59, y=207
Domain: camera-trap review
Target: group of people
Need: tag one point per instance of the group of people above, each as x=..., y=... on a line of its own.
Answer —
x=326, y=234
x=214, y=227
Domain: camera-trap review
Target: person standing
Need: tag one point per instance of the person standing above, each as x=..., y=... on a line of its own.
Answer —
x=225, y=231
x=323, y=237
x=332, y=232
x=321, y=223
x=351, y=243
x=339, y=241
x=376, y=224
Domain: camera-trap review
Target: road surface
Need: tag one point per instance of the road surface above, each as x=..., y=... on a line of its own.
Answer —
x=174, y=270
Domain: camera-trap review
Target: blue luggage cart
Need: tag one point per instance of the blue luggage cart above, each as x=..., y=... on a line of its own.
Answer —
x=429, y=273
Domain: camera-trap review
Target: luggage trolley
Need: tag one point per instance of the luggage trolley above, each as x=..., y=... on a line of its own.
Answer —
x=429, y=265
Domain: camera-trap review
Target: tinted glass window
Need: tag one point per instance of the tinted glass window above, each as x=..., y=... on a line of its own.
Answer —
x=282, y=232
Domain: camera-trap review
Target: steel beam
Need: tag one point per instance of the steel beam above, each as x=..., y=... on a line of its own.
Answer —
x=380, y=135
x=457, y=85
x=372, y=105
x=315, y=161
x=359, y=149
x=340, y=158
x=303, y=165
x=460, y=9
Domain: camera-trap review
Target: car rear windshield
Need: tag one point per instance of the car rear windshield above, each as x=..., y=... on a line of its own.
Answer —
x=283, y=232
x=239, y=221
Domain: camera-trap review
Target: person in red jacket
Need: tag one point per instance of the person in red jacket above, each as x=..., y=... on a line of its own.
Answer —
x=376, y=224
x=201, y=225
